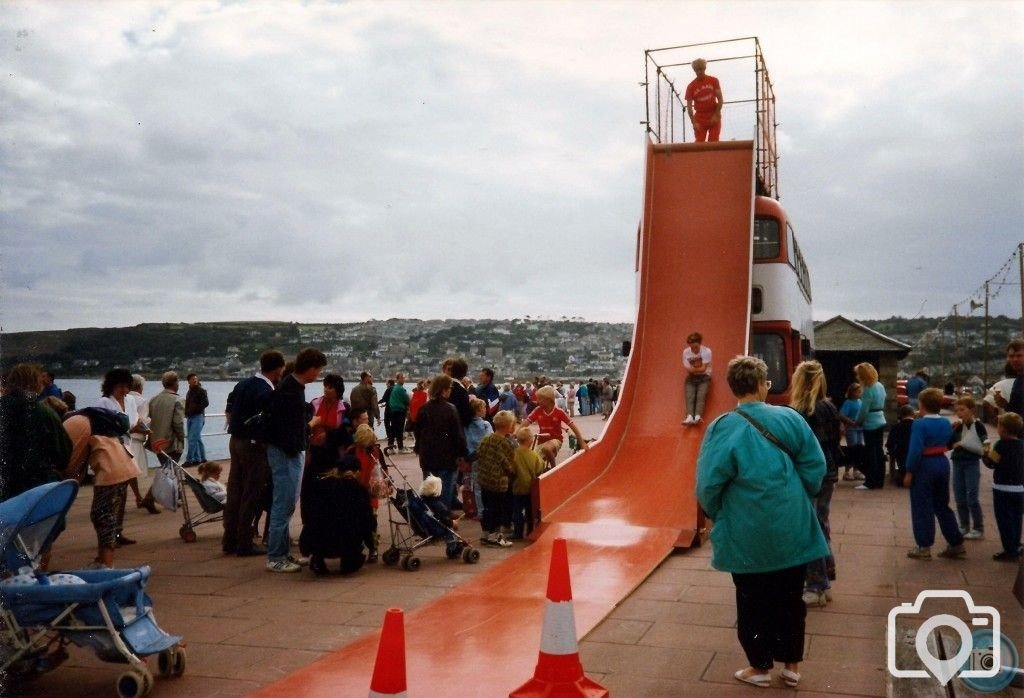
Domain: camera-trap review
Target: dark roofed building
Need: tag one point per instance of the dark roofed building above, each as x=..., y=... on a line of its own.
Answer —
x=840, y=344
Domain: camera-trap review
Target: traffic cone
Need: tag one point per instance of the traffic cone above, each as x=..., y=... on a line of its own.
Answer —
x=559, y=672
x=389, y=668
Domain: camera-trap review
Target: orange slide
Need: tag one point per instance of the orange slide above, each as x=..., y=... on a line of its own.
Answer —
x=624, y=504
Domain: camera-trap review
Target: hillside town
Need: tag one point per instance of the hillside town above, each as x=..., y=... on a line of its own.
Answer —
x=516, y=349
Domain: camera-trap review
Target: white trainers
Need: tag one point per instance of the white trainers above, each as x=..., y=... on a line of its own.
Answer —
x=497, y=540
x=815, y=598
x=282, y=566
x=862, y=487
x=974, y=535
x=689, y=420
x=697, y=419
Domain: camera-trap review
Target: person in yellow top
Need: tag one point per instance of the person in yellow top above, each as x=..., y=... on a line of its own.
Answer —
x=528, y=466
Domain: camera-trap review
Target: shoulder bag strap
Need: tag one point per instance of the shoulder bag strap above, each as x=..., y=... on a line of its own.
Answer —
x=766, y=434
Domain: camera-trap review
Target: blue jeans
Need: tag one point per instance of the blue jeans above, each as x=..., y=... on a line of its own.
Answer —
x=966, y=475
x=929, y=500
x=477, y=493
x=820, y=571
x=285, y=472
x=447, y=485
x=196, y=450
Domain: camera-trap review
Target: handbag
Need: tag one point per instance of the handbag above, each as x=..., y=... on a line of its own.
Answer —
x=379, y=487
x=165, y=487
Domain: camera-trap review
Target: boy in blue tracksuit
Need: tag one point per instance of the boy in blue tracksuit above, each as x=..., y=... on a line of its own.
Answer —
x=1006, y=458
x=928, y=479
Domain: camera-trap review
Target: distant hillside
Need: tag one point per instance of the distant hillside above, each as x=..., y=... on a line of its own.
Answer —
x=90, y=350
x=520, y=347
x=956, y=349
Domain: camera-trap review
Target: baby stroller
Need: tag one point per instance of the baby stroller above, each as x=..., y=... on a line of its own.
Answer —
x=105, y=610
x=210, y=510
x=410, y=519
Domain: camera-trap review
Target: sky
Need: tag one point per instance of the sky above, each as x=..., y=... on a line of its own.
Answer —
x=336, y=162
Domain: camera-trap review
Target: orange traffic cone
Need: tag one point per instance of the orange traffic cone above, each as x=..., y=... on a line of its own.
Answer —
x=559, y=672
x=389, y=669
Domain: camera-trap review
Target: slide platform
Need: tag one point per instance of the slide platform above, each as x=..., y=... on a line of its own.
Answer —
x=626, y=503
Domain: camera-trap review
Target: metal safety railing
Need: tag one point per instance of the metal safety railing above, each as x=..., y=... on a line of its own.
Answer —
x=747, y=103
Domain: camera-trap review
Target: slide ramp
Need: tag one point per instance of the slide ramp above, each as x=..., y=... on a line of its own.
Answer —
x=624, y=504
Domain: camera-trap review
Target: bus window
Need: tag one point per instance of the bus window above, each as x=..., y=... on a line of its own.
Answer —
x=766, y=238
x=756, y=300
x=771, y=348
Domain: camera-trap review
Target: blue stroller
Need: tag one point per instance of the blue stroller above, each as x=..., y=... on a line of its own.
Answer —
x=413, y=526
x=105, y=610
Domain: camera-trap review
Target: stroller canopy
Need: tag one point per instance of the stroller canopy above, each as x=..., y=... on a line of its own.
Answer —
x=30, y=521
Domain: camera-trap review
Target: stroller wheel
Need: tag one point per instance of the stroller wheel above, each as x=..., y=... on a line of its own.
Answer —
x=390, y=557
x=187, y=534
x=132, y=684
x=179, y=662
x=171, y=662
x=470, y=555
x=411, y=563
x=165, y=662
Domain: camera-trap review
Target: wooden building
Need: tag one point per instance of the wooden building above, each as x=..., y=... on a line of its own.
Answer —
x=840, y=344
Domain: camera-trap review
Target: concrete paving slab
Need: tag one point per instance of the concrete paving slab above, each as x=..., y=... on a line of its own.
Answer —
x=675, y=635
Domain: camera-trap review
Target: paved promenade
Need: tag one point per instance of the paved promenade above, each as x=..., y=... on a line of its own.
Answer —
x=675, y=635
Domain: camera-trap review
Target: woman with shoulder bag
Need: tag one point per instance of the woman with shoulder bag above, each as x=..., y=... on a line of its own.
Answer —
x=757, y=471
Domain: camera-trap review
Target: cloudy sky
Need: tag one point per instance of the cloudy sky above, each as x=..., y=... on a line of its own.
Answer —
x=200, y=161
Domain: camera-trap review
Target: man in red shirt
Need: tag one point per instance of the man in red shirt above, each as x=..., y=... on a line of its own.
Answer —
x=704, y=104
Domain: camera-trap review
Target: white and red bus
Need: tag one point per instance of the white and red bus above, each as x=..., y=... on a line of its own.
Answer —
x=781, y=327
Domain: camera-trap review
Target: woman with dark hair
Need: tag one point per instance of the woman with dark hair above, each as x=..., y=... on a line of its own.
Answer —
x=440, y=439
x=809, y=397
x=758, y=468
x=117, y=383
x=326, y=438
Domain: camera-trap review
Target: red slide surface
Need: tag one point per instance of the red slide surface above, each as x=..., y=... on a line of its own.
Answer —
x=623, y=505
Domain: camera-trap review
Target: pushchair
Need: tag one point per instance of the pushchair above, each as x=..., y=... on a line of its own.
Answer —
x=210, y=510
x=413, y=526
x=107, y=611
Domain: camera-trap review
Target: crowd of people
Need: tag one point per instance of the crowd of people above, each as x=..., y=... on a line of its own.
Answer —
x=765, y=474
x=288, y=451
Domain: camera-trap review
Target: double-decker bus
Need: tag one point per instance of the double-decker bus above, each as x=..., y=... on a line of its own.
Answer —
x=781, y=328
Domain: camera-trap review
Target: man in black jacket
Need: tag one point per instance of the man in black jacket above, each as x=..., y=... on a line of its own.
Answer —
x=457, y=369
x=250, y=471
x=287, y=439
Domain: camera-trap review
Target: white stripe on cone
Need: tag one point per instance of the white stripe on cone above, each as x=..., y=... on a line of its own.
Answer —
x=559, y=636
x=374, y=694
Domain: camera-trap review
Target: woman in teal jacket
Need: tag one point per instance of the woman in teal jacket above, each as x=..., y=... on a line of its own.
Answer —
x=872, y=419
x=758, y=493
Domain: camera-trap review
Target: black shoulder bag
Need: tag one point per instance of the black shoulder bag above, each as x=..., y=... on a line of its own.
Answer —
x=763, y=430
